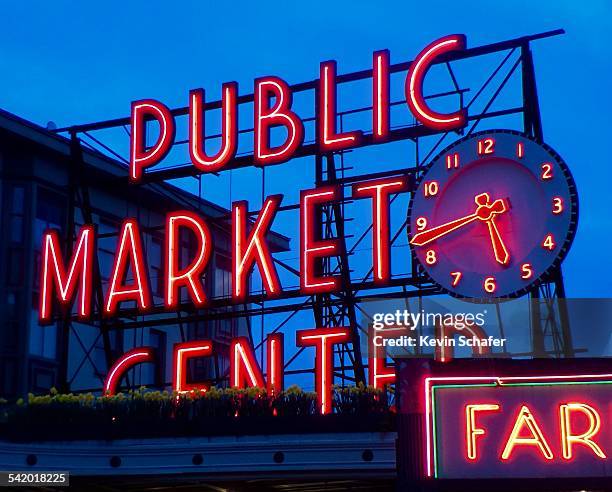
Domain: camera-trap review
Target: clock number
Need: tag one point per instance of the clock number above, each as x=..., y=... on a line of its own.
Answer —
x=520, y=150
x=452, y=161
x=430, y=257
x=486, y=146
x=557, y=205
x=489, y=285
x=549, y=242
x=456, y=277
x=421, y=223
x=526, y=271
x=431, y=188
x=546, y=171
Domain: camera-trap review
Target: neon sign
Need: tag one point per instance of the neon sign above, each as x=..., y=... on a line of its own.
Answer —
x=514, y=419
x=518, y=426
x=446, y=222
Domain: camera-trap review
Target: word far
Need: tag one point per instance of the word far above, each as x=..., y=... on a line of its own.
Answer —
x=579, y=426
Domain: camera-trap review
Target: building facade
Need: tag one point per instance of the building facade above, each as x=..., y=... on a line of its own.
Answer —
x=40, y=184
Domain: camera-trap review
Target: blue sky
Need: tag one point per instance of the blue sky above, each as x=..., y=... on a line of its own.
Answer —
x=75, y=62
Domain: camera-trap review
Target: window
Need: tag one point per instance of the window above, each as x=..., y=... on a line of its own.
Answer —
x=99, y=355
x=156, y=266
x=43, y=339
x=158, y=339
x=44, y=379
x=8, y=381
x=16, y=266
x=50, y=214
x=50, y=207
x=107, y=246
x=223, y=276
x=225, y=329
x=16, y=215
x=200, y=369
x=198, y=330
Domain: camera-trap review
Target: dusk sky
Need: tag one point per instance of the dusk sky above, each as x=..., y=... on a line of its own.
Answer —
x=73, y=63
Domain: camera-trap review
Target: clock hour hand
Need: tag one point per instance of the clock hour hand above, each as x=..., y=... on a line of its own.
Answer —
x=499, y=249
x=429, y=235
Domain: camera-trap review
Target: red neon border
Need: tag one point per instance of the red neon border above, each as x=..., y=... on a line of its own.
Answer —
x=428, y=387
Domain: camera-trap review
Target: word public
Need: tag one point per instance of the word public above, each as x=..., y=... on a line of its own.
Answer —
x=272, y=98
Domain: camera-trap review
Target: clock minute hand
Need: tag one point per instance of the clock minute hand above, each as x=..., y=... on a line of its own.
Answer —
x=429, y=235
x=499, y=249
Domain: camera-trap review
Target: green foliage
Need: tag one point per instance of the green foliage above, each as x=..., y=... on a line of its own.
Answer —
x=143, y=412
x=360, y=400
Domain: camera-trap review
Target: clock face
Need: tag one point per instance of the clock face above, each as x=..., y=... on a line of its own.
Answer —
x=492, y=214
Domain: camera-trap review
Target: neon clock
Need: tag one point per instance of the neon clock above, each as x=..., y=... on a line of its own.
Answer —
x=492, y=215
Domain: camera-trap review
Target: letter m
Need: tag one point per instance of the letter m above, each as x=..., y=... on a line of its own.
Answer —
x=64, y=279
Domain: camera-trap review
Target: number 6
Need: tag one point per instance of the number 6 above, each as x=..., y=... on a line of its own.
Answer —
x=489, y=285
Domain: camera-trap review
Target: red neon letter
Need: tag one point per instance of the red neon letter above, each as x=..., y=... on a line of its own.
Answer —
x=311, y=249
x=182, y=353
x=190, y=276
x=244, y=370
x=446, y=331
x=379, y=192
x=328, y=138
x=323, y=339
x=267, y=117
x=275, y=363
x=525, y=419
x=568, y=439
x=229, y=132
x=380, y=95
x=379, y=373
x=248, y=251
x=140, y=157
x=53, y=273
x=471, y=431
x=123, y=364
x=129, y=248
x=414, y=85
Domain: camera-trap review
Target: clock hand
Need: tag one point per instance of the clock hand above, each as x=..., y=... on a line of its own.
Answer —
x=429, y=235
x=485, y=211
x=499, y=249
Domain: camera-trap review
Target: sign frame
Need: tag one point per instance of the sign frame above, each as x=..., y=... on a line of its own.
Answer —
x=415, y=377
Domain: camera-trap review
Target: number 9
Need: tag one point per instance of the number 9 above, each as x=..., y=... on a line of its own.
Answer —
x=421, y=223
